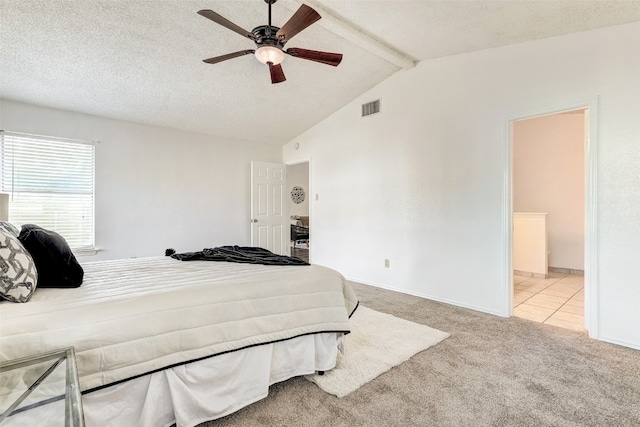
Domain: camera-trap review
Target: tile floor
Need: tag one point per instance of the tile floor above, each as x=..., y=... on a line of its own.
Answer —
x=558, y=300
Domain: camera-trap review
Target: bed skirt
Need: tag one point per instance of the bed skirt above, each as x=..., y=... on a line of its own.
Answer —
x=193, y=393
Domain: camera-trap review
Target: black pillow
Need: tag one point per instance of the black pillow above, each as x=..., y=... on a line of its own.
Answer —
x=56, y=265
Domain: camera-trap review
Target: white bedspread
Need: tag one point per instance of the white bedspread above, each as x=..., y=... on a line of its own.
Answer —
x=133, y=317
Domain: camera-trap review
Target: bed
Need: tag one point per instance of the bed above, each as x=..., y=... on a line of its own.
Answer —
x=160, y=341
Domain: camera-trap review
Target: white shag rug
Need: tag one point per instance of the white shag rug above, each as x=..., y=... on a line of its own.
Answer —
x=377, y=343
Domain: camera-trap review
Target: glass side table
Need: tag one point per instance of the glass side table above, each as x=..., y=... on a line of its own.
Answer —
x=41, y=390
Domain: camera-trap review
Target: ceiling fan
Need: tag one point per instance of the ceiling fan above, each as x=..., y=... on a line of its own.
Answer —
x=270, y=41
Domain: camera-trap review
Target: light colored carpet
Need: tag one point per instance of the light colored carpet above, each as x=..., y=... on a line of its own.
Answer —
x=377, y=343
x=491, y=372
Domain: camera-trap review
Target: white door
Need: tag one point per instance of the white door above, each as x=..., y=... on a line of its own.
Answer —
x=268, y=208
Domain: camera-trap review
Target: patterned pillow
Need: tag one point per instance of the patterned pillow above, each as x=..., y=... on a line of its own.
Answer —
x=10, y=228
x=18, y=275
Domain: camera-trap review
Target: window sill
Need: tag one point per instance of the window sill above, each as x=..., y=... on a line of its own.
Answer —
x=86, y=251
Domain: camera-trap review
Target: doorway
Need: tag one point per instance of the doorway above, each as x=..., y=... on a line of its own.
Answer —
x=559, y=193
x=298, y=184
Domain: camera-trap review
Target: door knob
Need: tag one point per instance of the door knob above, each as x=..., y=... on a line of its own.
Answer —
x=254, y=220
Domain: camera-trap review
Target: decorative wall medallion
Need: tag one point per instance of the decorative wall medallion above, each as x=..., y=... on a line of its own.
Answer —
x=297, y=195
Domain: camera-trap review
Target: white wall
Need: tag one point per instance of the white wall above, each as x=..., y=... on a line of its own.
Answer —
x=422, y=183
x=548, y=176
x=156, y=188
x=298, y=175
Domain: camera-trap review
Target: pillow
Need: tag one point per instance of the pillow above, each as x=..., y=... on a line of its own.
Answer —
x=57, y=266
x=18, y=274
x=10, y=228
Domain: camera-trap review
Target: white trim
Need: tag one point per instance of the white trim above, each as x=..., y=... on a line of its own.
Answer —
x=590, y=202
x=507, y=220
x=86, y=251
x=299, y=161
x=426, y=296
x=592, y=319
x=530, y=214
x=619, y=342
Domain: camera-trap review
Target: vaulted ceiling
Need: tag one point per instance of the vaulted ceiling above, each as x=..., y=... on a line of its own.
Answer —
x=141, y=60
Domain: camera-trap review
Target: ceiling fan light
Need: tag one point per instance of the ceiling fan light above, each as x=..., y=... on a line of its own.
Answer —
x=266, y=54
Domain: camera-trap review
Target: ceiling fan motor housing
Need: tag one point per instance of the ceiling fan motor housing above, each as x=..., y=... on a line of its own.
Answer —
x=266, y=36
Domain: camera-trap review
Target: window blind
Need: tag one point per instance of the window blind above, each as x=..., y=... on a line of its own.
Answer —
x=50, y=182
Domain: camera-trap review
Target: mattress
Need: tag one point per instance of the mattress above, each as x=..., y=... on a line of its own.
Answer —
x=135, y=317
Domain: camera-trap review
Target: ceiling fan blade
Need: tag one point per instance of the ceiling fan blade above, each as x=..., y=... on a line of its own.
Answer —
x=314, y=55
x=221, y=58
x=300, y=20
x=226, y=23
x=277, y=75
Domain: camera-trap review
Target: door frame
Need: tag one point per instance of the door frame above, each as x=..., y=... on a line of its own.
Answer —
x=309, y=195
x=591, y=307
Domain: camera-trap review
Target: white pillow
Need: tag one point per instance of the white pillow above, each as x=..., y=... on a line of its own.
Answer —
x=18, y=275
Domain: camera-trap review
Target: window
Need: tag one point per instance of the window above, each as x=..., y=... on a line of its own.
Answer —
x=50, y=183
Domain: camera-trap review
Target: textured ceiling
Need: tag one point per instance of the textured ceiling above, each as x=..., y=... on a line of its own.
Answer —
x=141, y=60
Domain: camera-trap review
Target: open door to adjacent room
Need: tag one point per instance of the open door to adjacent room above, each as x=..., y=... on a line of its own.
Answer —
x=549, y=177
x=299, y=213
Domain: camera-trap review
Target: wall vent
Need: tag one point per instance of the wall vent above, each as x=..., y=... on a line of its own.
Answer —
x=370, y=108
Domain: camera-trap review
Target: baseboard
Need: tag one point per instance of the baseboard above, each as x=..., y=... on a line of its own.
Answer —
x=566, y=271
x=634, y=346
x=427, y=296
x=529, y=274
x=559, y=270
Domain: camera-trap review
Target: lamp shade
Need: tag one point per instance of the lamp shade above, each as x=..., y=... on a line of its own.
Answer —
x=4, y=207
x=266, y=54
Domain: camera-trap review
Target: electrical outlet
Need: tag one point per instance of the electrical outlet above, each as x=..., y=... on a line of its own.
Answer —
x=386, y=263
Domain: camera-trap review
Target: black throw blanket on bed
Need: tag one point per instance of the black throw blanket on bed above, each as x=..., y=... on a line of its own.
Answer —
x=243, y=254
